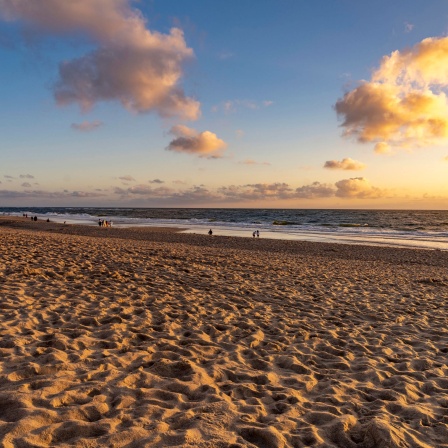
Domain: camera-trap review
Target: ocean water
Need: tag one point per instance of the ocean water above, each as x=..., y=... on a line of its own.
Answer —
x=404, y=228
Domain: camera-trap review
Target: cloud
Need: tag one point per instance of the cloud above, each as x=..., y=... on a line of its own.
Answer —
x=26, y=185
x=382, y=148
x=144, y=190
x=26, y=176
x=408, y=27
x=225, y=55
x=253, y=162
x=7, y=176
x=260, y=191
x=156, y=181
x=11, y=194
x=192, y=195
x=239, y=133
x=231, y=106
x=86, y=126
x=359, y=188
x=345, y=164
x=315, y=190
x=405, y=103
x=204, y=144
x=131, y=64
x=127, y=178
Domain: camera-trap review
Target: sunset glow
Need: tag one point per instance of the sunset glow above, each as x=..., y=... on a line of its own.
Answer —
x=218, y=104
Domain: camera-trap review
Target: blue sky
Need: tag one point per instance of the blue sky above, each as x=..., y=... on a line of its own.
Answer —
x=243, y=112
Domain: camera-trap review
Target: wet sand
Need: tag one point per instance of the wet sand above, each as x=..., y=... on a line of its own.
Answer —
x=152, y=338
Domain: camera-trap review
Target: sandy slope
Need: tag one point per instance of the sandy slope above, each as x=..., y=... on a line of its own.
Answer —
x=183, y=341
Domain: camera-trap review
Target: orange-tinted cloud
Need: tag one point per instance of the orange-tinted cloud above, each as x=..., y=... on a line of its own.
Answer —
x=131, y=64
x=253, y=162
x=404, y=104
x=344, y=164
x=382, y=148
x=315, y=190
x=203, y=144
x=359, y=188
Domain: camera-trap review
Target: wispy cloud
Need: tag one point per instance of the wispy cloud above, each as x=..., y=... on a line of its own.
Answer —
x=225, y=55
x=127, y=178
x=204, y=144
x=26, y=176
x=382, y=148
x=12, y=194
x=231, y=106
x=131, y=64
x=156, y=181
x=87, y=126
x=253, y=162
x=26, y=185
x=405, y=102
x=408, y=27
x=344, y=164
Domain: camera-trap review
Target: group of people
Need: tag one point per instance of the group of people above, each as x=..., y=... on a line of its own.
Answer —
x=255, y=234
x=103, y=223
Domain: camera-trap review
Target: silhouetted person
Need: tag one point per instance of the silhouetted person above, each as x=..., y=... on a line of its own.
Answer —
x=210, y=232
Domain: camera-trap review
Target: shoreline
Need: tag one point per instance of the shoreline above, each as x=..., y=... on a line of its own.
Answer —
x=175, y=235
x=428, y=240
x=131, y=337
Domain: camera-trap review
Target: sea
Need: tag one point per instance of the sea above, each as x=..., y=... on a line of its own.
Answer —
x=419, y=229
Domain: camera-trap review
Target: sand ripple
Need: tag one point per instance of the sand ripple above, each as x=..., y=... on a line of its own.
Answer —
x=124, y=343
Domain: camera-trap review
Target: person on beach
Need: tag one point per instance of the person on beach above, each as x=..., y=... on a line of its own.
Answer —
x=258, y=234
x=210, y=232
x=253, y=234
x=99, y=222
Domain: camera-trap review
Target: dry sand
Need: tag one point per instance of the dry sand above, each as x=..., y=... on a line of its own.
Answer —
x=150, y=338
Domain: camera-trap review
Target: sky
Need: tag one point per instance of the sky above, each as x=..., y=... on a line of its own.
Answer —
x=236, y=103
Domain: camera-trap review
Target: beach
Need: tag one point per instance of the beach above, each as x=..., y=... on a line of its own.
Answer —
x=148, y=337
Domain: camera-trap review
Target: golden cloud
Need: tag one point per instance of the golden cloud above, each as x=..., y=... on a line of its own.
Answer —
x=344, y=164
x=204, y=144
x=359, y=188
x=405, y=103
